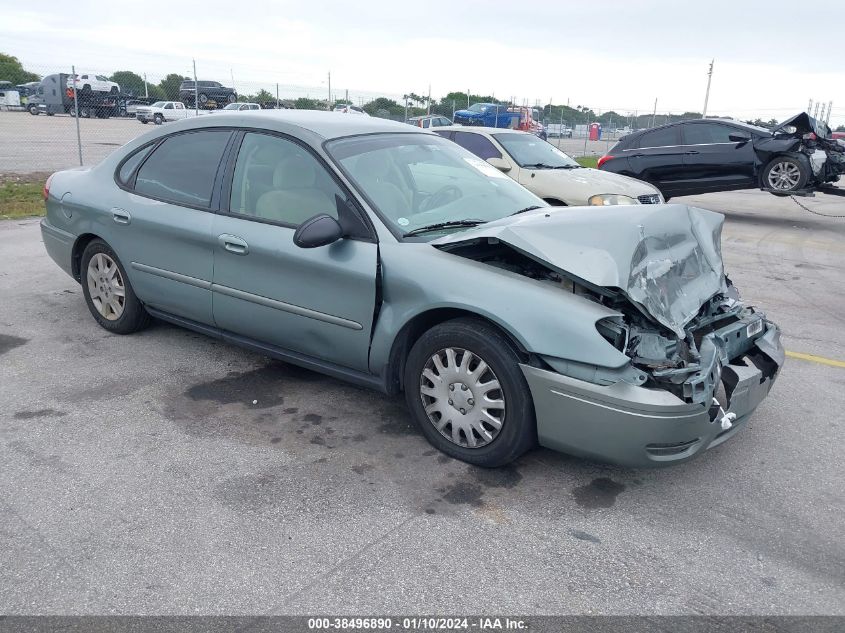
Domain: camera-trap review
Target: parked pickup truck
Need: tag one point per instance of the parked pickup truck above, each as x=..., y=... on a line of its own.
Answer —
x=162, y=111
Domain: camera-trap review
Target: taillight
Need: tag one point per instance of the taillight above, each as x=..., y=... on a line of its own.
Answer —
x=47, y=187
x=603, y=160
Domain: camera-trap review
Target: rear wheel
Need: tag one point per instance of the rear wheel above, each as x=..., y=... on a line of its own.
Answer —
x=231, y=98
x=785, y=175
x=203, y=98
x=158, y=119
x=108, y=293
x=467, y=393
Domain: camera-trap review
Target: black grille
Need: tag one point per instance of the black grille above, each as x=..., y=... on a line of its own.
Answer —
x=649, y=199
x=665, y=450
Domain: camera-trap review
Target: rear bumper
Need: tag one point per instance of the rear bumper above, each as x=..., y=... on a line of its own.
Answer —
x=639, y=427
x=59, y=245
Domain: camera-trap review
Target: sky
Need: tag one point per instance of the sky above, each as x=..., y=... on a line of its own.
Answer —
x=620, y=55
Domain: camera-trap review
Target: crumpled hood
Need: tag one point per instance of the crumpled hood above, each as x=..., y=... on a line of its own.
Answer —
x=804, y=124
x=665, y=258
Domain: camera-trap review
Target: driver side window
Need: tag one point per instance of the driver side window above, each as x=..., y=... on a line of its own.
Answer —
x=278, y=180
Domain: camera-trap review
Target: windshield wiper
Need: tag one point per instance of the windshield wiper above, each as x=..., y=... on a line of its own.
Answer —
x=526, y=209
x=568, y=167
x=538, y=166
x=444, y=225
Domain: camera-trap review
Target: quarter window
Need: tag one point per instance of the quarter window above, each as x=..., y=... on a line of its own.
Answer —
x=662, y=137
x=477, y=144
x=129, y=165
x=183, y=168
x=276, y=179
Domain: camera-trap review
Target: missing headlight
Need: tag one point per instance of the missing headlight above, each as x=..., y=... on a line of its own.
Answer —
x=613, y=332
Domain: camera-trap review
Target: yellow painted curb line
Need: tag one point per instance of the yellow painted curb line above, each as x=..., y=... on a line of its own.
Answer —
x=816, y=359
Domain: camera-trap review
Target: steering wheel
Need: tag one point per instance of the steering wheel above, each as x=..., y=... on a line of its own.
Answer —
x=442, y=196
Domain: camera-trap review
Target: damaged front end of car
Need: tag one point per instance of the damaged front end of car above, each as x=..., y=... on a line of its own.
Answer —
x=810, y=141
x=699, y=360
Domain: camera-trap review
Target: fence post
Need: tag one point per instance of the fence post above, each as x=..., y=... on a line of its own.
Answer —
x=76, y=113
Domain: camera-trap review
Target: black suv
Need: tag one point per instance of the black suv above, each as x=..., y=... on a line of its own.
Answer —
x=704, y=155
x=206, y=91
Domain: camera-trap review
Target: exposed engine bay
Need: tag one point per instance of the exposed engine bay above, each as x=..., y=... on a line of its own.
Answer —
x=700, y=367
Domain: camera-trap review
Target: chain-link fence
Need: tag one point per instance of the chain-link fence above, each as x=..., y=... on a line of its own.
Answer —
x=55, y=118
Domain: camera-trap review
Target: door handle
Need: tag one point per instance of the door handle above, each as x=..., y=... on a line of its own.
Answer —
x=233, y=244
x=691, y=152
x=120, y=216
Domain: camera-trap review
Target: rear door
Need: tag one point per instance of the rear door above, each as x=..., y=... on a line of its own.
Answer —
x=658, y=158
x=319, y=301
x=161, y=226
x=712, y=162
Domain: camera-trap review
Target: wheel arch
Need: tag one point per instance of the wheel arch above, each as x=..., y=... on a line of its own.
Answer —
x=420, y=323
x=76, y=253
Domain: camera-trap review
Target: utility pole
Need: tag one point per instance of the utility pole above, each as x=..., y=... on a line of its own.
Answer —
x=405, y=99
x=707, y=94
x=429, y=100
x=277, y=96
x=146, y=89
x=467, y=98
x=232, y=75
x=196, y=91
x=329, y=103
x=654, y=114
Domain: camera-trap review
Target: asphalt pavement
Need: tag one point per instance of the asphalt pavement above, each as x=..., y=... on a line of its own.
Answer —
x=166, y=472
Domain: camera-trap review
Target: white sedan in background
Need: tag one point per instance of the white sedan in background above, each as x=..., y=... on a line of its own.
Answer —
x=546, y=171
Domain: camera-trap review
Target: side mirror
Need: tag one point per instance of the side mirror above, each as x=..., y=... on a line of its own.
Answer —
x=321, y=230
x=499, y=163
x=739, y=138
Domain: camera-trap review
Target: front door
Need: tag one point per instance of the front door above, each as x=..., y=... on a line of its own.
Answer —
x=318, y=302
x=712, y=162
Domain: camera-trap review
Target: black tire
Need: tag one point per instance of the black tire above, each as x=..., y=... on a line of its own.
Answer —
x=33, y=110
x=113, y=90
x=158, y=119
x=231, y=98
x=518, y=432
x=203, y=98
x=134, y=317
x=144, y=121
x=781, y=163
x=85, y=113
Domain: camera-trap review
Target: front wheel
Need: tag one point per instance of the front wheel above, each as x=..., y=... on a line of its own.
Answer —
x=158, y=119
x=467, y=393
x=785, y=174
x=108, y=293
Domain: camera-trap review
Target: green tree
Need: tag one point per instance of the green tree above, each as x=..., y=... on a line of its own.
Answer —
x=155, y=92
x=841, y=128
x=305, y=103
x=170, y=86
x=12, y=70
x=129, y=82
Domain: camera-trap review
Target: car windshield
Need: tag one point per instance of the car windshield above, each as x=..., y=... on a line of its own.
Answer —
x=158, y=104
x=232, y=106
x=420, y=180
x=529, y=151
x=477, y=107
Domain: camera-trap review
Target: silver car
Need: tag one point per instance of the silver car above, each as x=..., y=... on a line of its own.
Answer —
x=393, y=258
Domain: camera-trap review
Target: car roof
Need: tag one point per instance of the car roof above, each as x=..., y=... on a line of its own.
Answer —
x=324, y=124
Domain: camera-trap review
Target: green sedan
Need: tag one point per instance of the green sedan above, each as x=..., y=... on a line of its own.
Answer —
x=390, y=257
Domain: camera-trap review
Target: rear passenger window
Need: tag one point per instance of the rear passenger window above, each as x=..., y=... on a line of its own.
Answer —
x=477, y=144
x=129, y=165
x=182, y=169
x=660, y=138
